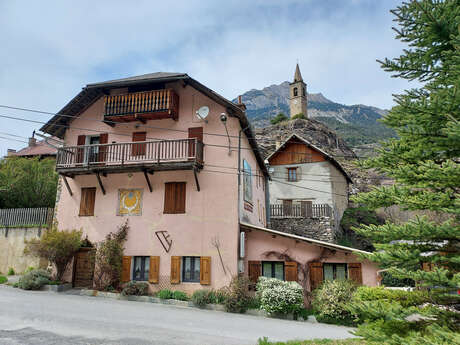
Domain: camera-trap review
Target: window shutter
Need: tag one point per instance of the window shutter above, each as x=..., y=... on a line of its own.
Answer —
x=103, y=139
x=316, y=274
x=290, y=271
x=139, y=149
x=169, y=198
x=205, y=270
x=87, y=201
x=195, y=132
x=180, y=197
x=154, y=273
x=254, y=270
x=81, y=140
x=355, y=273
x=126, y=269
x=175, y=269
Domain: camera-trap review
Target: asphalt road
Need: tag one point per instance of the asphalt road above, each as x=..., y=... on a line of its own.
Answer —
x=46, y=318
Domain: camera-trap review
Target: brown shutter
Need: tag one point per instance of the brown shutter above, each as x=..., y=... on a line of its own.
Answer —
x=175, y=197
x=195, y=132
x=290, y=271
x=154, y=273
x=254, y=270
x=355, y=273
x=180, y=197
x=80, y=152
x=126, y=269
x=316, y=274
x=87, y=201
x=175, y=269
x=205, y=270
x=169, y=197
x=103, y=139
x=139, y=149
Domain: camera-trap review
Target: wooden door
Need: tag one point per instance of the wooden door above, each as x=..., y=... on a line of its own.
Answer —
x=84, y=268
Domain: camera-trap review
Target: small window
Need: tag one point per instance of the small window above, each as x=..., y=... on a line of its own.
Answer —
x=141, y=268
x=273, y=269
x=303, y=91
x=88, y=198
x=292, y=174
x=174, y=197
x=191, y=269
x=335, y=271
x=296, y=92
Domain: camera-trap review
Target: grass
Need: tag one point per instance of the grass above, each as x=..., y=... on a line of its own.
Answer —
x=265, y=341
x=3, y=279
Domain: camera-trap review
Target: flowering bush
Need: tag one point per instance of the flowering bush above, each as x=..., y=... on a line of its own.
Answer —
x=330, y=299
x=278, y=296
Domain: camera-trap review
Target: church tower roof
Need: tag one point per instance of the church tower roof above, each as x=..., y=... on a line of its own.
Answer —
x=297, y=75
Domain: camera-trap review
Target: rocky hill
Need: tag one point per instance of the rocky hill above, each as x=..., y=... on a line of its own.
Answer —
x=356, y=124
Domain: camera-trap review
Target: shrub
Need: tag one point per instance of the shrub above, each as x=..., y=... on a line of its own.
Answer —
x=3, y=279
x=28, y=269
x=34, y=280
x=201, y=298
x=389, y=280
x=278, y=118
x=279, y=297
x=299, y=116
x=11, y=271
x=329, y=301
x=109, y=259
x=405, y=298
x=254, y=303
x=58, y=247
x=237, y=299
x=165, y=294
x=135, y=289
x=180, y=296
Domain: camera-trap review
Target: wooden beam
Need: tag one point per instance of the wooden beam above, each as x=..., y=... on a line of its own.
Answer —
x=196, y=179
x=100, y=182
x=148, y=180
x=67, y=185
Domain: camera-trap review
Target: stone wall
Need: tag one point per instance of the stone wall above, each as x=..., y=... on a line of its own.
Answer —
x=12, y=243
x=316, y=228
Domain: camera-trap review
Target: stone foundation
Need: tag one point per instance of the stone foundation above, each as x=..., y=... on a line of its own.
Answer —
x=322, y=229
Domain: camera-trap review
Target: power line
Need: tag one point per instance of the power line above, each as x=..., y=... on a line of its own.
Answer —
x=13, y=135
x=11, y=139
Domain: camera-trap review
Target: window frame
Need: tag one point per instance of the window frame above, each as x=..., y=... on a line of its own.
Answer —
x=144, y=260
x=273, y=263
x=334, y=269
x=290, y=179
x=193, y=261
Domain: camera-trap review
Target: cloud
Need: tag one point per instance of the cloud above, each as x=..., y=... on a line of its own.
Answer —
x=50, y=49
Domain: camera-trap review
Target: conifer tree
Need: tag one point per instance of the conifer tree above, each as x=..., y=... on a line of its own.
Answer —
x=424, y=159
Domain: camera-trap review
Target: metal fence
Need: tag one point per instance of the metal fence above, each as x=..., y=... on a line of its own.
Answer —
x=26, y=217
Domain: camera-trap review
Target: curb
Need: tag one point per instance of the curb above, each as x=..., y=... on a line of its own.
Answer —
x=56, y=288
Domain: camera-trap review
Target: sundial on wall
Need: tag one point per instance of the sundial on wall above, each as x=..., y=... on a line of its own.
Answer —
x=130, y=202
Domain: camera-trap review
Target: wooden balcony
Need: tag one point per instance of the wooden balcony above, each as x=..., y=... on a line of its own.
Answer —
x=300, y=211
x=142, y=106
x=147, y=156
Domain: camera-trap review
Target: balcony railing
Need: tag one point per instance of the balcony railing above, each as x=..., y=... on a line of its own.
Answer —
x=160, y=155
x=142, y=106
x=300, y=211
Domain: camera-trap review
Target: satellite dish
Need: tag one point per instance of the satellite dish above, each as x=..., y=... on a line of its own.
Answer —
x=203, y=112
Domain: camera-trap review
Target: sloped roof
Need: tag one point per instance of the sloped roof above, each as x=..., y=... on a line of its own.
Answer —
x=326, y=155
x=297, y=75
x=39, y=149
x=57, y=125
x=305, y=239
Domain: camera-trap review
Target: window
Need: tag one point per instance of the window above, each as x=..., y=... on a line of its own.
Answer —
x=88, y=198
x=273, y=269
x=174, y=197
x=292, y=174
x=141, y=268
x=296, y=92
x=335, y=271
x=303, y=91
x=191, y=269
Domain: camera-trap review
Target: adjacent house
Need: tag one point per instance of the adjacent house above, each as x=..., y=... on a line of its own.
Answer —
x=37, y=148
x=181, y=163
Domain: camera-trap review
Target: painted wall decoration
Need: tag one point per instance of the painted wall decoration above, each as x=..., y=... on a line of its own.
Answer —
x=129, y=202
x=247, y=182
x=164, y=239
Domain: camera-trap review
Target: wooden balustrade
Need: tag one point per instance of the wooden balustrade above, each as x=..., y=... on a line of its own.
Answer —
x=142, y=106
x=129, y=154
x=300, y=211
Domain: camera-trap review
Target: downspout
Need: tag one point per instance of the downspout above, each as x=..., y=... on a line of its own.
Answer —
x=267, y=202
x=239, y=172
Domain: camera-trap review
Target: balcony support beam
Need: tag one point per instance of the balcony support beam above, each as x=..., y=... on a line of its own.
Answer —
x=67, y=184
x=148, y=180
x=100, y=182
x=195, y=173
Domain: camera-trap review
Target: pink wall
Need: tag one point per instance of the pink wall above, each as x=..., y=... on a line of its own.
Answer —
x=210, y=214
x=259, y=242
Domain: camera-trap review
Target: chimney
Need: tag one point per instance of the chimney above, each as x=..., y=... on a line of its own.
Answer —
x=10, y=152
x=32, y=142
x=240, y=103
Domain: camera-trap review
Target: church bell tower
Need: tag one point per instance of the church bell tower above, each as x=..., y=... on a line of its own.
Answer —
x=298, y=95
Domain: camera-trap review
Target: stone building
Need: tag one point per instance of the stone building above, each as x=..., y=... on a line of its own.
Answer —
x=298, y=95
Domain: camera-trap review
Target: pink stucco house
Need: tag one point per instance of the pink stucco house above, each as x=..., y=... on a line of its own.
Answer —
x=181, y=163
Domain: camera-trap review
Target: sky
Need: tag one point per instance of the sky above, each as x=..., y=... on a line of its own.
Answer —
x=51, y=49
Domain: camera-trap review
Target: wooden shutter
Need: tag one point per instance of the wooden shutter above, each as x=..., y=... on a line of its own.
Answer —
x=154, y=273
x=290, y=271
x=87, y=201
x=81, y=140
x=254, y=270
x=195, y=132
x=169, y=197
x=175, y=196
x=180, y=197
x=316, y=274
x=139, y=149
x=103, y=139
x=355, y=273
x=205, y=270
x=126, y=269
x=175, y=269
